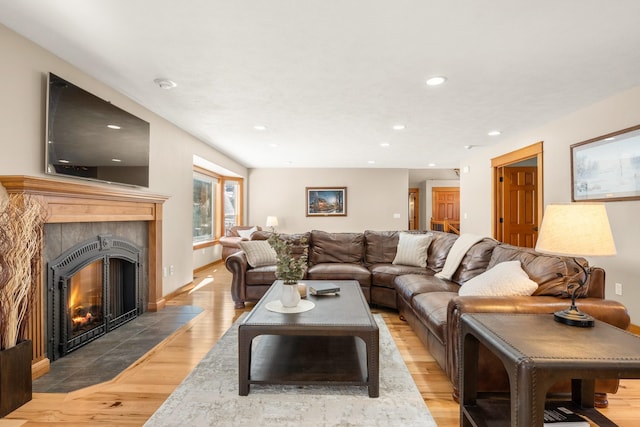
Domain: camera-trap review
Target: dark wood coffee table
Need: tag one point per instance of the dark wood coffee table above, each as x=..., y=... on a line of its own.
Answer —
x=335, y=343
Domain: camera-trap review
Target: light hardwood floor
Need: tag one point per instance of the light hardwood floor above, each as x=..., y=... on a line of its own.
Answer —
x=131, y=398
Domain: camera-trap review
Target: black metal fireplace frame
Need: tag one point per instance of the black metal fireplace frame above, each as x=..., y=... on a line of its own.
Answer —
x=61, y=269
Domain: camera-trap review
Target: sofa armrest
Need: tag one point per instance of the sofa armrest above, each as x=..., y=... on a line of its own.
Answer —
x=609, y=311
x=237, y=264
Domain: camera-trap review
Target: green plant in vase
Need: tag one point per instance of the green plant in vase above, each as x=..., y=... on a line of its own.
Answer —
x=290, y=268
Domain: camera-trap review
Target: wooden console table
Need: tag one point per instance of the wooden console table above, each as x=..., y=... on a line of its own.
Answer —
x=537, y=352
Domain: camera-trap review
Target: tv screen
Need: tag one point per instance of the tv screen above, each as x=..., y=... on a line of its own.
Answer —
x=90, y=138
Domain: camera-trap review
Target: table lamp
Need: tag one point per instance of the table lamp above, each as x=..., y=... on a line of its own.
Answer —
x=576, y=230
x=272, y=221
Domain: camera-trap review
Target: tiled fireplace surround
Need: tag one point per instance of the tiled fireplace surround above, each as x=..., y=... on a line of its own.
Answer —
x=78, y=211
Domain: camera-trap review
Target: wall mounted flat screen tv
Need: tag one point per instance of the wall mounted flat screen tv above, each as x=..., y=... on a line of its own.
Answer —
x=90, y=138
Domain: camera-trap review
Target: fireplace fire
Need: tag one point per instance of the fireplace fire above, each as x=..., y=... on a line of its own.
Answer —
x=93, y=288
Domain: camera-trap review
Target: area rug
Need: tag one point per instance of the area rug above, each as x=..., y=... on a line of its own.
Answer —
x=209, y=396
x=103, y=359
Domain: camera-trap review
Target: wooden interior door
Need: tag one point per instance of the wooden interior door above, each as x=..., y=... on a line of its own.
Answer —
x=414, y=209
x=520, y=215
x=446, y=204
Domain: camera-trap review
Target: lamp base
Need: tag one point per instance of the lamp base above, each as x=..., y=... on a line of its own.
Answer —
x=573, y=317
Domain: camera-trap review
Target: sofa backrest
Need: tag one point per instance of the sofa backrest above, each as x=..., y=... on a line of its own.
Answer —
x=299, y=241
x=439, y=249
x=552, y=273
x=475, y=261
x=336, y=247
x=380, y=246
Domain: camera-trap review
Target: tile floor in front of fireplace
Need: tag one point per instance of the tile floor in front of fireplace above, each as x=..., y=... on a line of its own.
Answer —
x=104, y=358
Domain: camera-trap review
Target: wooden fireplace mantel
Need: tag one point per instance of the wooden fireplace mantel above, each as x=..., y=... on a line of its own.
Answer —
x=68, y=202
x=79, y=202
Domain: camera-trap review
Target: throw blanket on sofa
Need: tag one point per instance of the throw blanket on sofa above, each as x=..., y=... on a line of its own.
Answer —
x=456, y=253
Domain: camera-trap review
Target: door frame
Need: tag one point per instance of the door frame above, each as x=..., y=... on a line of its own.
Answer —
x=416, y=207
x=529, y=152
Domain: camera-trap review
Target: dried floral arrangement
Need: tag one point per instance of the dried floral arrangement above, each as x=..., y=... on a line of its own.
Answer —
x=22, y=220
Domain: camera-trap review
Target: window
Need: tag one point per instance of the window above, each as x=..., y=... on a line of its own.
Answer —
x=203, y=207
x=232, y=204
x=217, y=205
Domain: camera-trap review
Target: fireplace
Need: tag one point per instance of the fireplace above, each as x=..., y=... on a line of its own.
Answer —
x=91, y=210
x=92, y=288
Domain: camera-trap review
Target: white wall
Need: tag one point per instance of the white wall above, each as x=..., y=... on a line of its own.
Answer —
x=612, y=114
x=23, y=70
x=373, y=197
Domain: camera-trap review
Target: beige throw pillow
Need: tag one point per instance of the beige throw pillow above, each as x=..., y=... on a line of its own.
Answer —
x=259, y=253
x=504, y=279
x=412, y=249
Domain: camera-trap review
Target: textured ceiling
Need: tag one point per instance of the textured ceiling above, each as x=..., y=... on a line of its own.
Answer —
x=329, y=79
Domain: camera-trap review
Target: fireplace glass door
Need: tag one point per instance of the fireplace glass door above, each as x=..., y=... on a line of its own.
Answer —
x=86, y=299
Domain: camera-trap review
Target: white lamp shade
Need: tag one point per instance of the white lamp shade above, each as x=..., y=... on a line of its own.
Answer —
x=576, y=229
x=272, y=221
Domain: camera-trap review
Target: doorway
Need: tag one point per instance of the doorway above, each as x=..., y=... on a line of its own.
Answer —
x=445, y=210
x=414, y=209
x=518, y=196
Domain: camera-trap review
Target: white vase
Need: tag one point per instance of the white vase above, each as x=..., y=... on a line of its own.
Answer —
x=290, y=296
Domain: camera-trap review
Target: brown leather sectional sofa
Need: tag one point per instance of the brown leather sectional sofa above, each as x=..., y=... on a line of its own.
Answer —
x=432, y=305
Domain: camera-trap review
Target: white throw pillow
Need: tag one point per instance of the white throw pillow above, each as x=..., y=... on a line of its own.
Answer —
x=246, y=234
x=412, y=249
x=504, y=279
x=259, y=253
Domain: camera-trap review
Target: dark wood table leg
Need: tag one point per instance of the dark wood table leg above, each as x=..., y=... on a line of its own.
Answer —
x=373, y=364
x=244, y=360
x=469, y=374
x=583, y=392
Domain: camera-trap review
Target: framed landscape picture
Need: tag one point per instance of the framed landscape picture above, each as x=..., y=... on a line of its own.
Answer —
x=326, y=201
x=607, y=168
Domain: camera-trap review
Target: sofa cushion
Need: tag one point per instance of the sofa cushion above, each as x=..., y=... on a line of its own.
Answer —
x=439, y=249
x=385, y=274
x=552, y=273
x=259, y=252
x=410, y=285
x=260, y=275
x=336, y=271
x=412, y=249
x=336, y=247
x=502, y=280
x=431, y=308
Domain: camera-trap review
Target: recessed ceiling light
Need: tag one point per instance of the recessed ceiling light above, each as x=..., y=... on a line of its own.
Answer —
x=165, y=83
x=431, y=165
x=468, y=147
x=398, y=127
x=494, y=133
x=273, y=145
x=371, y=162
x=384, y=144
x=436, y=80
x=116, y=160
x=260, y=127
x=116, y=127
